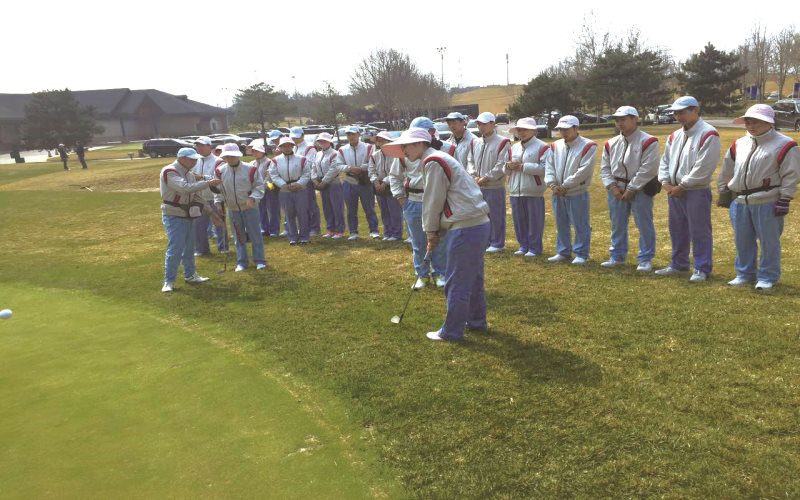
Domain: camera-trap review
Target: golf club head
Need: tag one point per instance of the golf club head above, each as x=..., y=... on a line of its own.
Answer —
x=396, y=319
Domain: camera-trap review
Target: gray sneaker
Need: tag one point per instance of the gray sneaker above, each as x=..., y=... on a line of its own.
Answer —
x=195, y=278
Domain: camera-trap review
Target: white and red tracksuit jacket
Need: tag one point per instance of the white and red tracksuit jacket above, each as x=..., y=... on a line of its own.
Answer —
x=629, y=162
x=690, y=156
x=571, y=165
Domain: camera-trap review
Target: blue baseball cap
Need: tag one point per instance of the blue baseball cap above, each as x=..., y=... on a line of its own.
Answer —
x=352, y=129
x=683, y=103
x=274, y=134
x=296, y=132
x=422, y=122
x=188, y=153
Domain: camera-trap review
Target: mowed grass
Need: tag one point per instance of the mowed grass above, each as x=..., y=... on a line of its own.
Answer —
x=494, y=98
x=589, y=383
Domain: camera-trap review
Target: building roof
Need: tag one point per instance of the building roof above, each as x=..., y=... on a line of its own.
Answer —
x=115, y=103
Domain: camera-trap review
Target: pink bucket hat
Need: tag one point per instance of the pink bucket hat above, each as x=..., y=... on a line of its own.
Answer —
x=763, y=112
x=410, y=136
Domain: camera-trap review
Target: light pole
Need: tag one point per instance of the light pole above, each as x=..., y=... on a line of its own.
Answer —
x=441, y=54
x=507, y=83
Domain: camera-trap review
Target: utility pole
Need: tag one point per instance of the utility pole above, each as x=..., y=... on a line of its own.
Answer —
x=441, y=53
x=507, y=82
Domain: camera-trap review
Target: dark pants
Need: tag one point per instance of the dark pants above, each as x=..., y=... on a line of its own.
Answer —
x=528, y=215
x=353, y=193
x=690, y=223
x=269, y=209
x=313, y=210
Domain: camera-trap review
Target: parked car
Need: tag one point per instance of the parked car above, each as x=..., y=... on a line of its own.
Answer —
x=164, y=147
x=443, y=130
x=250, y=135
x=787, y=114
x=586, y=118
x=666, y=117
x=472, y=126
x=501, y=118
x=774, y=96
x=189, y=138
x=381, y=125
x=543, y=130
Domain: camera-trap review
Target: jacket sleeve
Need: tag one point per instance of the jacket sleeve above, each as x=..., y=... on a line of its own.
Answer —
x=704, y=165
x=790, y=172
x=181, y=185
x=273, y=173
x=470, y=166
x=341, y=165
x=332, y=172
x=726, y=172
x=397, y=177
x=550, y=169
x=605, y=166
x=434, y=197
x=537, y=167
x=663, y=167
x=365, y=164
x=503, y=155
x=257, y=189
x=305, y=173
x=372, y=167
x=648, y=168
x=584, y=172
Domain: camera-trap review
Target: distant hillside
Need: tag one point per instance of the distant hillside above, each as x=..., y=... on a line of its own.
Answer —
x=494, y=99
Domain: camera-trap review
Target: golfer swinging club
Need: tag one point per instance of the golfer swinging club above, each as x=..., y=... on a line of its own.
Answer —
x=451, y=202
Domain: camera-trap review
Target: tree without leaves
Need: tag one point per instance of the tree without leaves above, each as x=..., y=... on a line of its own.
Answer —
x=55, y=116
x=260, y=104
x=711, y=76
x=782, y=53
x=756, y=56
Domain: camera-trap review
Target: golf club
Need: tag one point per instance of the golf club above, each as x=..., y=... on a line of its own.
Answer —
x=397, y=319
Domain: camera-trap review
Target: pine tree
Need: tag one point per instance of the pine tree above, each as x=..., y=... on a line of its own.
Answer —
x=55, y=117
x=711, y=76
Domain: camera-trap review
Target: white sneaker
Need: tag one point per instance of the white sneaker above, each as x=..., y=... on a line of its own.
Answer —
x=420, y=284
x=168, y=287
x=434, y=335
x=440, y=281
x=195, y=278
x=260, y=267
x=698, y=276
x=763, y=285
x=375, y=236
x=493, y=250
x=239, y=268
x=407, y=240
x=644, y=267
x=391, y=238
x=519, y=252
x=283, y=234
x=327, y=235
x=611, y=263
x=556, y=258
x=531, y=254
x=739, y=281
x=337, y=236
x=579, y=261
x=385, y=238
x=352, y=237
x=667, y=271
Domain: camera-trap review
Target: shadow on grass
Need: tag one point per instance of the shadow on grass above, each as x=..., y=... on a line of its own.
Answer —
x=534, y=361
x=536, y=311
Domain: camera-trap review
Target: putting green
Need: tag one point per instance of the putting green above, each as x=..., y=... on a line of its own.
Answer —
x=100, y=399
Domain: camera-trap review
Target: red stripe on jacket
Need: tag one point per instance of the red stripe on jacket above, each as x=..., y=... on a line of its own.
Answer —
x=587, y=147
x=648, y=142
x=785, y=150
x=706, y=136
x=732, y=151
x=169, y=170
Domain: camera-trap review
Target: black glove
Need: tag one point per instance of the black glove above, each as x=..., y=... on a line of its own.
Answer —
x=782, y=207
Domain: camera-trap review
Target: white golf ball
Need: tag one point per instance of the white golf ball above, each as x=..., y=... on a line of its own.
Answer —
x=5, y=314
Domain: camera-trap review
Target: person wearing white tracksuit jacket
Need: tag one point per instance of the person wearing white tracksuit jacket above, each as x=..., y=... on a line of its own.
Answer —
x=629, y=162
x=426, y=123
x=325, y=178
x=292, y=174
x=408, y=186
x=259, y=151
x=452, y=203
x=526, y=186
x=489, y=155
x=309, y=152
x=241, y=190
x=687, y=165
x=758, y=180
x=181, y=205
x=391, y=211
x=461, y=138
x=205, y=167
x=568, y=174
x=353, y=159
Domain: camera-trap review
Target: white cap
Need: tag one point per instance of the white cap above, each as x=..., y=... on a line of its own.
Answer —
x=763, y=112
x=384, y=134
x=410, y=136
x=526, y=123
x=230, y=149
x=485, y=117
x=258, y=146
x=203, y=140
x=567, y=121
x=285, y=140
x=256, y=142
x=623, y=111
x=326, y=137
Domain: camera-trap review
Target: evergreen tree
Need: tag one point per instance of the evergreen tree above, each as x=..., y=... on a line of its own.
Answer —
x=55, y=116
x=711, y=76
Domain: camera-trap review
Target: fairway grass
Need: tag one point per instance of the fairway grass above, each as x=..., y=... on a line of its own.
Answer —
x=590, y=382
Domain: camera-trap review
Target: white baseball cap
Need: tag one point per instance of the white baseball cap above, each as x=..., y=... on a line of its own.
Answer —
x=230, y=149
x=285, y=140
x=410, y=136
x=525, y=123
x=763, y=112
x=384, y=134
x=258, y=146
x=485, y=117
x=567, y=121
x=203, y=140
x=623, y=111
x=684, y=102
x=188, y=153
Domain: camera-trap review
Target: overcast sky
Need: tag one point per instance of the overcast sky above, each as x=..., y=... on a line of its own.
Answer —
x=208, y=49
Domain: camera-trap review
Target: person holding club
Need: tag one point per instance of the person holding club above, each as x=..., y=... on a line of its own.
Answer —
x=325, y=179
x=181, y=204
x=291, y=174
x=216, y=220
x=242, y=188
x=454, y=214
